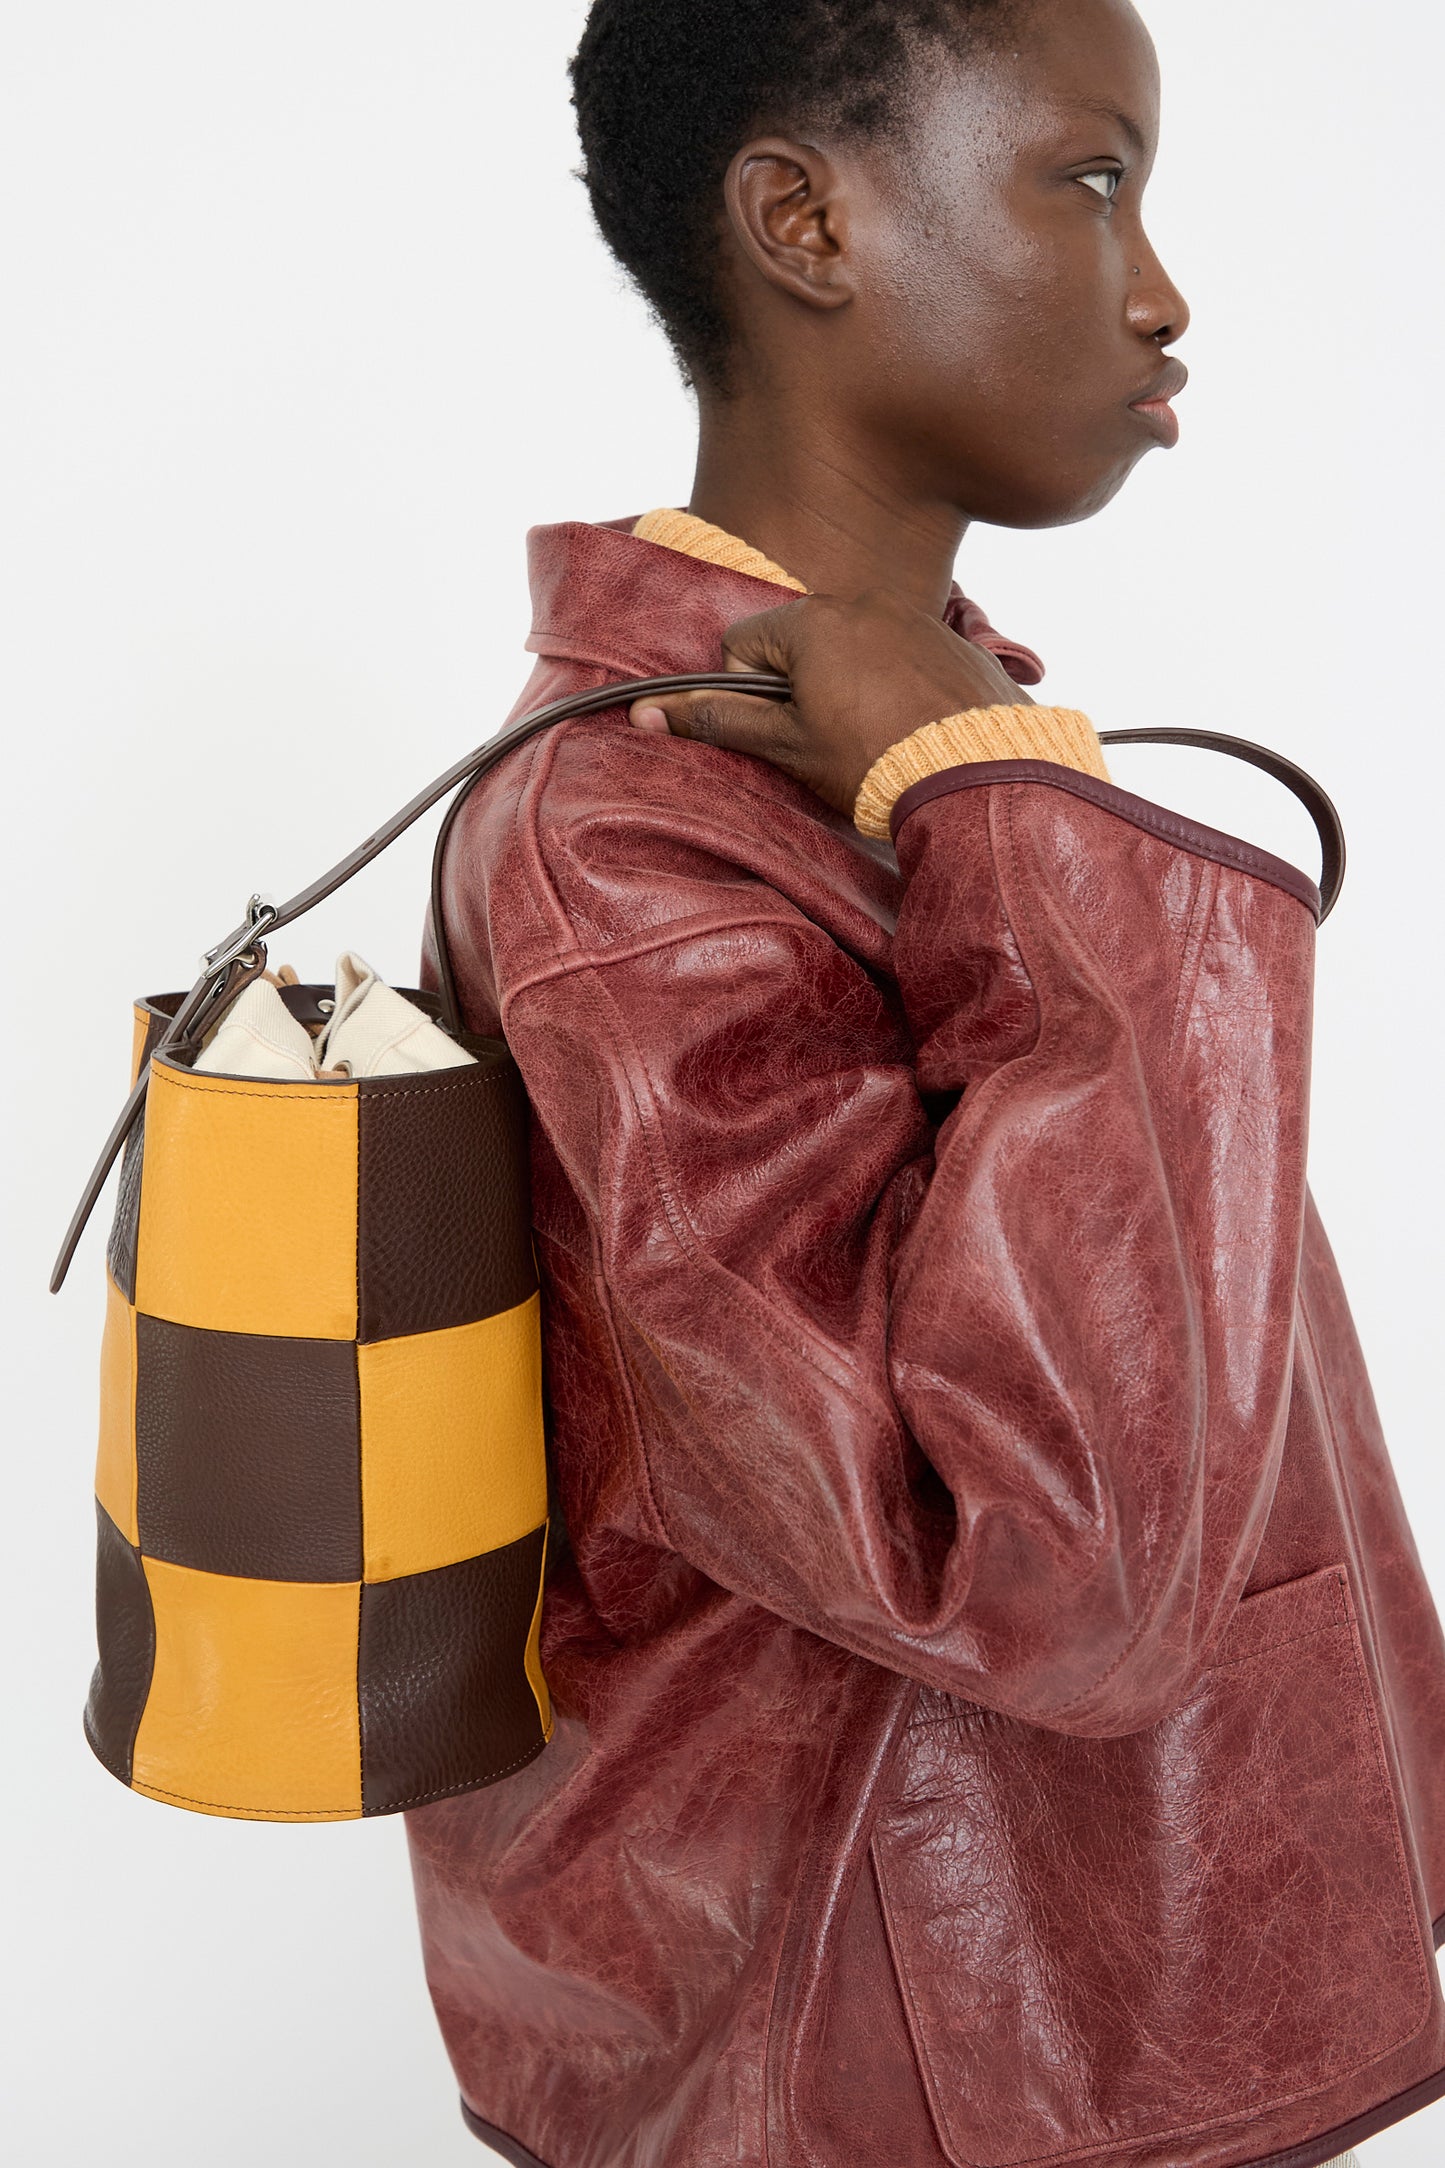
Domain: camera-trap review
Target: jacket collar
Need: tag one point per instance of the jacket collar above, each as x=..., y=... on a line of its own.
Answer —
x=603, y=596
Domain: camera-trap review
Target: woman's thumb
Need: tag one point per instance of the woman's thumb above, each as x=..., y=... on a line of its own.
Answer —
x=744, y=722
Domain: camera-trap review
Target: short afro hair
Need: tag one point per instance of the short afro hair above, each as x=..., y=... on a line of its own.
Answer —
x=667, y=90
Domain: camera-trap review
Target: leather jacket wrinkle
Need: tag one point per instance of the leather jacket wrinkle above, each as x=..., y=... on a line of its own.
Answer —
x=1000, y=1707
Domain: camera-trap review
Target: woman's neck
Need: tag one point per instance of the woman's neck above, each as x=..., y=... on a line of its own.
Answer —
x=817, y=506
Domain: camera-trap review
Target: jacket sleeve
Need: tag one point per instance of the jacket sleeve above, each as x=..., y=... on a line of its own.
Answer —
x=961, y=1338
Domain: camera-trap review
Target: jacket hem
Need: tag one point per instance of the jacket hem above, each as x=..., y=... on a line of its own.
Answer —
x=499, y=2141
x=1310, y=2153
x=1156, y=820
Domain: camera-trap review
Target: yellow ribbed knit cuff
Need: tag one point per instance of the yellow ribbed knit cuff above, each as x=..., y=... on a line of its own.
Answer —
x=1023, y=733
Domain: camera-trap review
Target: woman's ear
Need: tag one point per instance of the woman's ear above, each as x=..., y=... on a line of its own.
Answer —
x=790, y=219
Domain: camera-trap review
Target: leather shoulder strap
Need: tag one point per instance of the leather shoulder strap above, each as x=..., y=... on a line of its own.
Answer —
x=240, y=955
x=1310, y=794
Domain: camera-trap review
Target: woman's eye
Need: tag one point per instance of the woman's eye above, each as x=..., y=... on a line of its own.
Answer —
x=1107, y=184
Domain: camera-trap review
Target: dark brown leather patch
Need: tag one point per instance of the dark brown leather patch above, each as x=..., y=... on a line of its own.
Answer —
x=445, y=1701
x=248, y=1453
x=444, y=1230
x=125, y=1632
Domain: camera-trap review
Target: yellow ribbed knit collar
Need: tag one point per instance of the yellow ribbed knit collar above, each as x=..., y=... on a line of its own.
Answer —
x=699, y=538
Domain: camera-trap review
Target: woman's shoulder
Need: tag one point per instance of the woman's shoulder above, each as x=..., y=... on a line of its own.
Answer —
x=586, y=780
x=618, y=834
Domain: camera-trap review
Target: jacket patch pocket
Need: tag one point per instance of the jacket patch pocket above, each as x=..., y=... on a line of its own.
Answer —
x=1100, y=1941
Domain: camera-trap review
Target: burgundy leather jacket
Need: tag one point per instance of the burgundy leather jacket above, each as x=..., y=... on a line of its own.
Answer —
x=1000, y=1712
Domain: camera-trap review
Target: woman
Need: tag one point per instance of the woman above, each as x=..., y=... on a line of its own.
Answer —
x=1000, y=1712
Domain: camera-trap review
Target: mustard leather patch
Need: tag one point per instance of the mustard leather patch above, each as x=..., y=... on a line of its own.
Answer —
x=115, y=1465
x=452, y=1455
x=252, y=1708
x=248, y=1205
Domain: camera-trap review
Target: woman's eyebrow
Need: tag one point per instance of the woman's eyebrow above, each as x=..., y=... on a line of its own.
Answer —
x=1123, y=121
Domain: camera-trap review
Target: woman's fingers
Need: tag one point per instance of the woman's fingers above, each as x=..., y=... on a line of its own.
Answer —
x=864, y=674
x=743, y=722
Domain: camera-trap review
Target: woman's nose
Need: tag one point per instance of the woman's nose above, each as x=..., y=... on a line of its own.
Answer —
x=1157, y=309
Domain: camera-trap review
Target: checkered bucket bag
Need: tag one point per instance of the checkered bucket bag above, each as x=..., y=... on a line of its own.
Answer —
x=322, y=1482
x=322, y=1485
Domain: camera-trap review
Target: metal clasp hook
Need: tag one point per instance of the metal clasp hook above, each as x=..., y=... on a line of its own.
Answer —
x=260, y=910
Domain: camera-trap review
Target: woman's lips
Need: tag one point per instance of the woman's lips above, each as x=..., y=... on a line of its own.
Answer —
x=1153, y=405
x=1160, y=416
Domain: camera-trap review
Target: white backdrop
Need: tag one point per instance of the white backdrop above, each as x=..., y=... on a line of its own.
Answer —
x=282, y=388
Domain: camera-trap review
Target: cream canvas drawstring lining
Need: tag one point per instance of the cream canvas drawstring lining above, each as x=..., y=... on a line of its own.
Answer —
x=372, y=1031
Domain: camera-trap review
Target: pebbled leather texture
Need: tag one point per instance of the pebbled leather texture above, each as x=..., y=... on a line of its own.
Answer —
x=442, y=1227
x=1000, y=1709
x=248, y=1453
x=444, y=1692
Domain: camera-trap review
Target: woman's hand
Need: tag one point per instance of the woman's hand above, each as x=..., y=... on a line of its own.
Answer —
x=864, y=674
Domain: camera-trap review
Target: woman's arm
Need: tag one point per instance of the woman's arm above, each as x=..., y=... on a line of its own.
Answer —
x=998, y=1405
